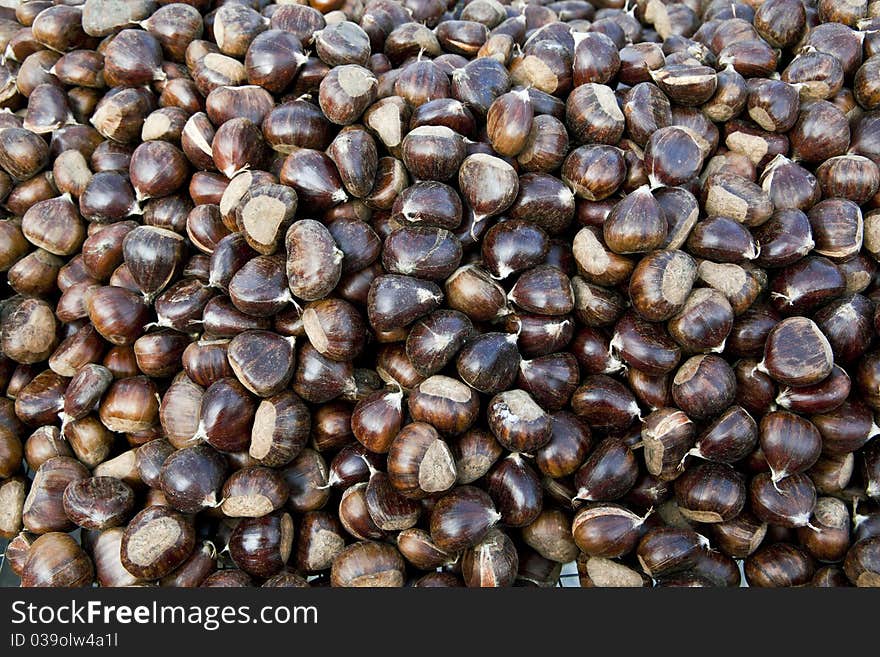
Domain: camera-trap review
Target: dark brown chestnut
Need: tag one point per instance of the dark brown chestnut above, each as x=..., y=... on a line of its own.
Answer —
x=461, y=518
x=788, y=502
x=790, y=443
x=665, y=551
x=710, y=493
x=704, y=386
x=779, y=565
x=608, y=473
x=261, y=546
x=797, y=353
x=191, y=478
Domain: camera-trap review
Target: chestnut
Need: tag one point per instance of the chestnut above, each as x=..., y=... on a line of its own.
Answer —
x=821, y=132
x=828, y=539
x=191, y=478
x=660, y=284
x=606, y=530
x=396, y=300
x=489, y=184
x=261, y=546
x=422, y=251
x=434, y=340
x=508, y=122
x=29, y=332
x=130, y=404
x=475, y=451
x=605, y=403
x=493, y=562
x=673, y=156
x=665, y=551
x=790, y=443
x=253, y=492
x=608, y=473
x=779, y=565
x=593, y=115
x=156, y=541
x=788, y=502
x=821, y=397
x=797, y=353
x=388, y=509
x=594, y=172
x=544, y=290
x=446, y=403
x=516, y=490
x=461, y=518
x=710, y=492
x=118, y=314
x=258, y=288
x=55, y=559
x=306, y=477
x=845, y=429
x=98, y=502
x=704, y=322
x=368, y=564
x=635, y=224
x=785, y=238
x=704, y=386
x=602, y=572
x=433, y=152
x=518, y=422
x=419, y=462
x=728, y=438
x=54, y=225
x=320, y=540
x=860, y=564
x=740, y=536
x=43, y=509
x=597, y=264
x=228, y=578
x=474, y=292
x=42, y=445
x=644, y=345
x=489, y=362
x=225, y=415
x=263, y=362
x=355, y=517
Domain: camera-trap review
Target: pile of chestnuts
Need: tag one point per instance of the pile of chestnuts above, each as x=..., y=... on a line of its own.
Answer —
x=440, y=293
